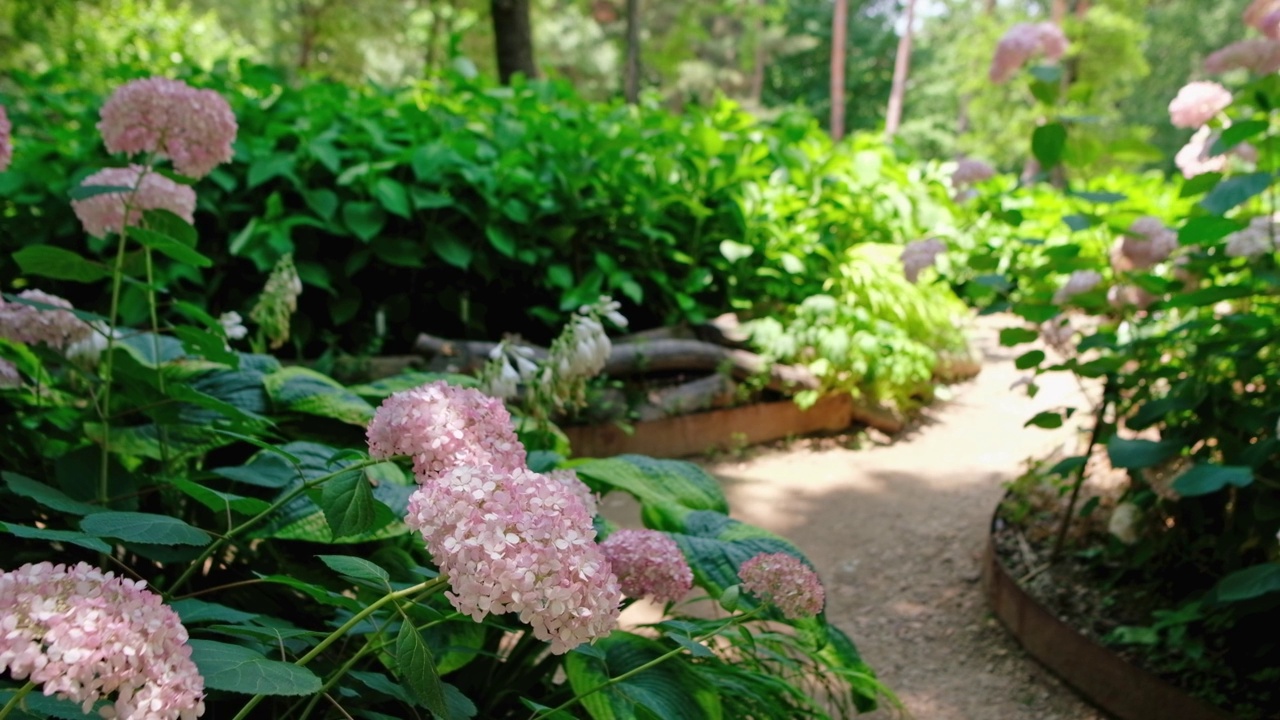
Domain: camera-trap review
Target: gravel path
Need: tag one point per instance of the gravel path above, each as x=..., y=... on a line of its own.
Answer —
x=896, y=529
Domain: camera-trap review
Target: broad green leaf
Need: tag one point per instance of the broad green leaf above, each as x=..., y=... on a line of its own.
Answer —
x=392, y=195
x=1029, y=359
x=201, y=343
x=84, y=192
x=1200, y=184
x=323, y=202
x=671, y=690
x=656, y=481
x=358, y=569
x=143, y=528
x=501, y=240
x=1137, y=454
x=1047, y=143
x=46, y=495
x=456, y=643
x=1047, y=420
x=365, y=219
x=348, y=504
x=59, y=264
x=217, y=501
x=450, y=249
x=695, y=648
x=1238, y=132
x=237, y=669
x=302, y=390
x=1206, y=478
x=195, y=611
x=1234, y=191
x=315, y=592
x=1068, y=465
x=170, y=247
x=1207, y=229
x=1017, y=336
x=417, y=669
x=67, y=536
x=1249, y=583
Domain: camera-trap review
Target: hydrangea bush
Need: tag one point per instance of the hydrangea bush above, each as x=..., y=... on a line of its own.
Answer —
x=194, y=529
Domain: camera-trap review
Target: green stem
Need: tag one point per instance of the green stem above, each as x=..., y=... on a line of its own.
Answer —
x=237, y=530
x=117, y=279
x=16, y=700
x=155, y=345
x=736, y=619
x=1095, y=435
x=334, y=636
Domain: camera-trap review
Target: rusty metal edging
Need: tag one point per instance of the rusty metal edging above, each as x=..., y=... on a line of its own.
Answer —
x=1117, y=687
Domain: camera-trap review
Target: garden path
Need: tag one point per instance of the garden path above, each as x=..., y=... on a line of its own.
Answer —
x=896, y=528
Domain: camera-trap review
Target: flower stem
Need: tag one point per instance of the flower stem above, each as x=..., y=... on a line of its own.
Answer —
x=336, y=635
x=237, y=530
x=16, y=700
x=155, y=344
x=117, y=279
x=734, y=620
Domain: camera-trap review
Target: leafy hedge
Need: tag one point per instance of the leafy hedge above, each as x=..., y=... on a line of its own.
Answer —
x=469, y=210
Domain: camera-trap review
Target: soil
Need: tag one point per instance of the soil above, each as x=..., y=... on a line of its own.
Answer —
x=897, y=526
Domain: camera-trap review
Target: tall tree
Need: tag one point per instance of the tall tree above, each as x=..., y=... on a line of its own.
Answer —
x=839, y=26
x=631, y=75
x=513, y=39
x=901, y=69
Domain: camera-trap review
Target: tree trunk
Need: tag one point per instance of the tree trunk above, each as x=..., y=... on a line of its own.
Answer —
x=513, y=39
x=901, y=69
x=756, y=91
x=839, y=29
x=631, y=72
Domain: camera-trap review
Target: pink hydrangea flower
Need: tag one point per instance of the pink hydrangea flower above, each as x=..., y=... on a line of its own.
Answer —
x=1020, y=43
x=1194, y=158
x=970, y=171
x=32, y=325
x=786, y=582
x=6, y=140
x=9, y=375
x=1057, y=333
x=590, y=500
x=1257, y=55
x=514, y=541
x=1265, y=16
x=84, y=634
x=443, y=427
x=648, y=563
x=1123, y=296
x=1149, y=242
x=920, y=254
x=193, y=128
x=1080, y=281
x=1258, y=239
x=1197, y=103
x=105, y=213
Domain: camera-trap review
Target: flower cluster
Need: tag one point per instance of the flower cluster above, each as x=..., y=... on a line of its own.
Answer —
x=1257, y=55
x=920, y=254
x=1254, y=241
x=514, y=541
x=1021, y=42
x=589, y=499
x=1149, y=242
x=648, y=563
x=233, y=325
x=442, y=427
x=1124, y=296
x=1265, y=16
x=1197, y=103
x=279, y=301
x=84, y=634
x=970, y=171
x=1057, y=333
x=32, y=325
x=112, y=211
x=786, y=582
x=9, y=375
x=6, y=140
x=193, y=128
x=1080, y=281
x=509, y=365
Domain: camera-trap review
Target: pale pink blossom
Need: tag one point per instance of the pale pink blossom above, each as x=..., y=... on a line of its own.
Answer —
x=1258, y=239
x=514, y=541
x=106, y=213
x=648, y=563
x=1257, y=55
x=1197, y=103
x=589, y=499
x=193, y=128
x=1023, y=41
x=6, y=140
x=9, y=375
x=54, y=327
x=1124, y=296
x=786, y=582
x=1194, y=158
x=970, y=171
x=83, y=635
x=1263, y=15
x=1057, y=333
x=442, y=427
x=1080, y=281
x=1149, y=242
x=920, y=254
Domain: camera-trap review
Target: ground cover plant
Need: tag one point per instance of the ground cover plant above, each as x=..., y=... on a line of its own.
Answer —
x=194, y=528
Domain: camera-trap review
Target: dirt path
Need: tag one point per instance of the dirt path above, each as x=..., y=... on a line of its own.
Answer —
x=896, y=530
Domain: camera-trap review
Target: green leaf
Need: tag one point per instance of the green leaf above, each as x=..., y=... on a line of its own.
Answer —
x=58, y=263
x=1029, y=359
x=1249, y=583
x=365, y=219
x=694, y=647
x=1017, y=336
x=392, y=195
x=303, y=390
x=1128, y=454
x=670, y=690
x=656, y=481
x=734, y=251
x=143, y=528
x=417, y=669
x=1238, y=132
x=451, y=250
x=359, y=570
x=323, y=202
x=347, y=502
x=1099, y=197
x=169, y=246
x=84, y=192
x=1200, y=184
x=501, y=240
x=1206, y=478
x=1047, y=420
x=237, y=669
x=267, y=168
x=194, y=611
x=219, y=502
x=45, y=495
x=1047, y=143
x=1207, y=229
x=1235, y=190
x=68, y=536
x=1066, y=466
x=200, y=343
